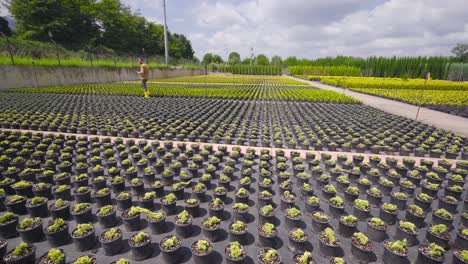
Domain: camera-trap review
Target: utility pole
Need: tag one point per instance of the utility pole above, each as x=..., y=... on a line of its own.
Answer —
x=428, y=76
x=166, y=50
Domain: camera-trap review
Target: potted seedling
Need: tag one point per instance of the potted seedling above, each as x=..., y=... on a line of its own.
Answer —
x=415, y=215
x=361, y=247
x=23, y=188
x=170, y=247
x=140, y=244
x=407, y=187
x=8, y=224
x=442, y=216
x=111, y=241
x=329, y=243
x=462, y=238
x=82, y=213
x=199, y=190
x=297, y=240
x=361, y=209
x=220, y=192
x=430, y=189
x=147, y=200
x=376, y=229
x=22, y=253
x=399, y=199
x=267, y=235
x=431, y=253
x=210, y=228
x=37, y=207
x=408, y=231
x=347, y=225
x=60, y=209
x=312, y=204
x=448, y=203
x=268, y=256
x=238, y=232
x=288, y=199
x=351, y=194
x=183, y=223
x=156, y=221
x=242, y=196
x=178, y=189
x=131, y=218
x=438, y=234
x=336, y=206
x=395, y=251
x=454, y=190
x=123, y=201
x=267, y=214
x=216, y=208
x=460, y=256
x=201, y=250
x=16, y=204
x=388, y=213
x=320, y=221
x=84, y=237
x=57, y=233
x=53, y=256
x=293, y=217
x=235, y=253
x=328, y=191
x=168, y=203
x=423, y=200
x=303, y=258
x=107, y=216
x=63, y=178
x=82, y=194
x=158, y=188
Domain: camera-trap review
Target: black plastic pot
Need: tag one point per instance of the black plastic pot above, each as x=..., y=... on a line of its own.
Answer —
x=401, y=234
x=297, y=246
x=390, y=257
x=141, y=252
x=83, y=217
x=363, y=255
x=422, y=258
x=28, y=259
x=63, y=212
x=346, y=230
x=460, y=241
x=328, y=250
x=239, y=237
x=58, y=238
x=319, y=226
x=38, y=210
x=113, y=247
x=18, y=207
x=103, y=200
x=86, y=242
x=170, y=256
x=201, y=258
x=131, y=223
x=108, y=220
x=83, y=197
x=362, y=215
x=376, y=234
x=8, y=229
x=169, y=209
x=157, y=227
x=336, y=211
x=439, y=240
x=184, y=230
x=388, y=217
x=123, y=204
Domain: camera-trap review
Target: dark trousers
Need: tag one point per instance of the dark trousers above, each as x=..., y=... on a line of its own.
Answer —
x=143, y=84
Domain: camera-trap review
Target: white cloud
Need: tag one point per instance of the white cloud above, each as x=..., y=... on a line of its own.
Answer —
x=307, y=28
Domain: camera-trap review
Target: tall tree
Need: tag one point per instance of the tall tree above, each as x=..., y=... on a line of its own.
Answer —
x=207, y=59
x=234, y=58
x=217, y=59
x=461, y=52
x=262, y=60
x=4, y=27
x=276, y=61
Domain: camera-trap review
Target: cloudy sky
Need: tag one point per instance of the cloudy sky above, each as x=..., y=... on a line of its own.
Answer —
x=315, y=28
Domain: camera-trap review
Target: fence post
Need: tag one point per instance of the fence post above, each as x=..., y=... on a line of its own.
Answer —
x=35, y=75
x=9, y=48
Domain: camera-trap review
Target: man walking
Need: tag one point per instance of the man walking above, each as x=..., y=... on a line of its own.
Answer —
x=144, y=75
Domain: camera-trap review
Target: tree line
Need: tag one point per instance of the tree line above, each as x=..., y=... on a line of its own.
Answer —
x=93, y=25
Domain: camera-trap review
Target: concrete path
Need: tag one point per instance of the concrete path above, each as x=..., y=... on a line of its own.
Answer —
x=438, y=119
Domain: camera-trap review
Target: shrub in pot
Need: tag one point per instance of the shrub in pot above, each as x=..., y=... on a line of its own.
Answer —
x=82, y=213
x=399, y=199
x=53, y=256
x=183, y=223
x=118, y=184
x=462, y=239
x=268, y=256
x=57, y=233
x=111, y=241
x=438, y=234
x=347, y=225
x=312, y=204
x=235, y=253
x=361, y=247
x=408, y=231
x=156, y=221
x=351, y=194
x=361, y=209
x=202, y=251
x=147, y=200
x=8, y=223
x=423, y=200
x=30, y=230
x=107, y=216
x=131, y=218
x=238, y=232
x=388, y=213
x=168, y=203
x=303, y=258
x=199, y=191
x=448, y=203
x=210, y=228
x=84, y=237
x=21, y=254
x=297, y=240
x=460, y=256
x=376, y=229
x=140, y=244
x=37, y=207
x=329, y=243
x=123, y=201
x=43, y=190
x=320, y=221
x=328, y=191
x=415, y=215
x=82, y=194
x=16, y=204
x=23, y=188
x=216, y=208
x=293, y=217
x=395, y=251
x=431, y=253
x=170, y=247
x=288, y=199
x=336, y=206
x=442, y=216
x=60, y=209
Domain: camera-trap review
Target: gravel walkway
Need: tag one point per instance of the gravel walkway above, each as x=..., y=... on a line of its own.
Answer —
x=438, y=119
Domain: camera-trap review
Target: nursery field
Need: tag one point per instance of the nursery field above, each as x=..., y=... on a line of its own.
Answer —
x=445, y=96
x=152, y=188
x=155, y=202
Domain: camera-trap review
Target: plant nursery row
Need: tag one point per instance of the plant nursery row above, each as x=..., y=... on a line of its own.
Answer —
x=289, y=124
x=91, y=200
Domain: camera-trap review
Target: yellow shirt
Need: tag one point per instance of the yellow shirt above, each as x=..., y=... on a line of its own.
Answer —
x=144, y=71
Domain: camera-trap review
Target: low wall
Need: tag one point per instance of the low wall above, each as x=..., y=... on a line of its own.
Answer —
x=29, y=76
